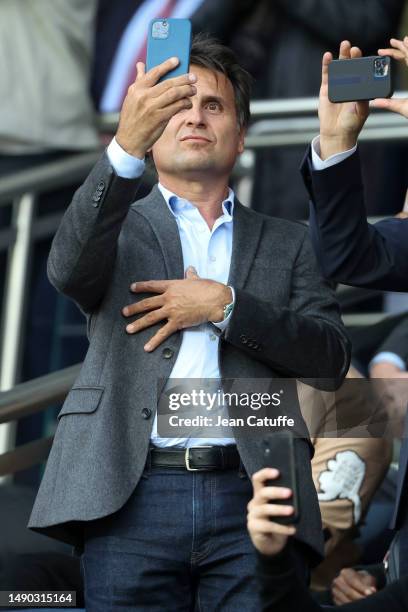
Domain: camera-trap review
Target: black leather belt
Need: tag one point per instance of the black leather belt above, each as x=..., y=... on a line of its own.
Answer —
x=196, y=458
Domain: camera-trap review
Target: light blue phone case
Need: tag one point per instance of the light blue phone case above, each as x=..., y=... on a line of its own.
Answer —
x=169, y=38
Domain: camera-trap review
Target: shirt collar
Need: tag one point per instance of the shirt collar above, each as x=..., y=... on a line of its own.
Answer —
x=177, y=204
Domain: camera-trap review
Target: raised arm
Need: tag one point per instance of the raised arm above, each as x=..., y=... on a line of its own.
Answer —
x=349, y=250
x=83, y=252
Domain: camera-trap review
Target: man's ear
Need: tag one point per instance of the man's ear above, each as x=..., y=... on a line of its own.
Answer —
x=241, y=140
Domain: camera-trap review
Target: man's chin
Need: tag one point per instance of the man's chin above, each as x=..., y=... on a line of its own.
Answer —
x=195, y=163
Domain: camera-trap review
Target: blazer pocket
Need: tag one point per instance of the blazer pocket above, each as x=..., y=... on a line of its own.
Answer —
x=82, y=400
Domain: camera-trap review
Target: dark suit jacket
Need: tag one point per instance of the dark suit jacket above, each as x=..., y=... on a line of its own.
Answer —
x=106, y=241
x=353, y=252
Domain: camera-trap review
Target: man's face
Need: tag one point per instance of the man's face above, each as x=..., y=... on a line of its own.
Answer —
x=205, y=138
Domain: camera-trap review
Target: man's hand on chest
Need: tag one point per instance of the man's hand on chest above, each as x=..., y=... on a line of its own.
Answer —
x=181, y=303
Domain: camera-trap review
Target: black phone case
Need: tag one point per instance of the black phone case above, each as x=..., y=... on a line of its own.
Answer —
x=279, y=453
x=360, y=79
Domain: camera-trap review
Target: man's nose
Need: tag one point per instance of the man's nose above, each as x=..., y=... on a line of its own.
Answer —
x=195, y=115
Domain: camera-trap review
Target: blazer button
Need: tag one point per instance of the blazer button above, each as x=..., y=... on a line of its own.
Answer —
x=146, y=413
x=243, y=339
x=96, y=198
x=167, y=353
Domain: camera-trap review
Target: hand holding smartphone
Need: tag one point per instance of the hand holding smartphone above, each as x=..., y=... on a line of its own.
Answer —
x=279, y=453
x=160, y=90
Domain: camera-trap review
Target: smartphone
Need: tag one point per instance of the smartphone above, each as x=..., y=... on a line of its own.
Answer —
x=362, y=78
x=279, y=453
x=169, y=38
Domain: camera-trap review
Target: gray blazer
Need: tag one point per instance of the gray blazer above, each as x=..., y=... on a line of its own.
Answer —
x=285, y=323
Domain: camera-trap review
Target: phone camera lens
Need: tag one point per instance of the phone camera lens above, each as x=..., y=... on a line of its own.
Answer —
x=380, y=67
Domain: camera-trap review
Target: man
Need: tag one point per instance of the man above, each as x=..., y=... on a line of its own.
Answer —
x=349, y=249
x=157, y=534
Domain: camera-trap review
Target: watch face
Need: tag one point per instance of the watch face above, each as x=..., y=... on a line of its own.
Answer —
x=227, y=310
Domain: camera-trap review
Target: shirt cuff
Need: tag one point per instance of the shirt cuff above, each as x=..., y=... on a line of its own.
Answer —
x=319, y=164
x=388, y=357
x=223, y=324
x=125, y=165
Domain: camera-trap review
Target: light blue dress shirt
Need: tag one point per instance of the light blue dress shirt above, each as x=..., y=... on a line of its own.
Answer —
x=209, y=251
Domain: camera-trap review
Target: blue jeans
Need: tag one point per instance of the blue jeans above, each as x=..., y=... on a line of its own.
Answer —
x=179, y=543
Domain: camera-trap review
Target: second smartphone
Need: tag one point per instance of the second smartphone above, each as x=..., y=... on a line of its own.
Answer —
x=361, y=78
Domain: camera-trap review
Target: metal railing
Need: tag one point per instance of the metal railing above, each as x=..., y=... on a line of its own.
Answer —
x=275, y=123
x=295, y=122
x=27, y=399
x=21, y=188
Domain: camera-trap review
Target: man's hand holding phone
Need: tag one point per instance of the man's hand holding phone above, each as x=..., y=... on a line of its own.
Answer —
x=268, y=537
x=149, y=106
x=340, y=123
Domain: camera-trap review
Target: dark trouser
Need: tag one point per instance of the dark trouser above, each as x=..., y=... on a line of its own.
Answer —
x=179, y=543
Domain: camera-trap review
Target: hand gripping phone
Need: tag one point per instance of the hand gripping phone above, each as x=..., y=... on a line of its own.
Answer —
x=361, y=78
x=279, y=453
x=169, y=38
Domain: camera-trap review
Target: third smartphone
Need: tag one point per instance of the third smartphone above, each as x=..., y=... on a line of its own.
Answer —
x=279, y=453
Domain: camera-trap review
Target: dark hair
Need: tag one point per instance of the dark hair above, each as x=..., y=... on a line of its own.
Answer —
x=208, y=52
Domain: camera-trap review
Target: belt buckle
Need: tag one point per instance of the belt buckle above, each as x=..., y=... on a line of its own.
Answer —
x=187, y=459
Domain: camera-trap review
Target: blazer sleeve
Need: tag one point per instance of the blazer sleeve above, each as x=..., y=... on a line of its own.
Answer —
x=83, y=251
x=348, y=248
x=305, y=339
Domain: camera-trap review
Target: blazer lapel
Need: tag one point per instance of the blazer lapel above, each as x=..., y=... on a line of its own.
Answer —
x=164, y=225
x=247, y=230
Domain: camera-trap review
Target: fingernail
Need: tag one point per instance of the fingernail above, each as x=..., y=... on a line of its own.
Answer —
x=287, y=492
x=133, y=287
x=174, y=60
x=147, y=347
x=192, y=77
x=129, y=328
x=274, y=472
x=125, y=311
